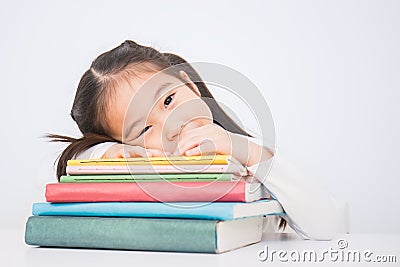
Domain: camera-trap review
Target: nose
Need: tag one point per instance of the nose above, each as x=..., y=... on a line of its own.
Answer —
x=183, y=117
x=191, y=124
x=175, y=120
x=175, y=127
x=172, y=129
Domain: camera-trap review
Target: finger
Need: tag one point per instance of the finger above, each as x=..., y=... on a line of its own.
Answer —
x=133, y=152
x=196, y=151
x=189, y=141
x=157, y=153
x=187, y=138
x=184, y=146
x=205, y=148
x=201, y=129
x=112, y=154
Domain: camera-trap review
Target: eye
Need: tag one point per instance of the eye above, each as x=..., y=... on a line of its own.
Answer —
x=143, y=131
x=168, y=100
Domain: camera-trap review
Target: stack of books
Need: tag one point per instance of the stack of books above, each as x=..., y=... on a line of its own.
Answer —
x=185, y=204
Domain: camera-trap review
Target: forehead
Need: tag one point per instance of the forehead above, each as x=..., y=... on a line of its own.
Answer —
x=136, y=96
x=139, y=87
x=150, y=90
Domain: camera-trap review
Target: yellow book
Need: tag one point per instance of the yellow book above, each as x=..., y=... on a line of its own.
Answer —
x=172, y=160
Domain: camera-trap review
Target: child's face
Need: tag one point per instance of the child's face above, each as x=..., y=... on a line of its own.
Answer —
x=155, y=113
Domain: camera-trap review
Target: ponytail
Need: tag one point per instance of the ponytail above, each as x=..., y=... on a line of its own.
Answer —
x=76, y=146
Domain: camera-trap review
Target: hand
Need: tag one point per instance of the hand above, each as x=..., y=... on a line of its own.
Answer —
x=127, y=151
x=207, y=139
x=213, y=139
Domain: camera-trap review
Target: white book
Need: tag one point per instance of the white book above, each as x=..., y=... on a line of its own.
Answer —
x=138, y=169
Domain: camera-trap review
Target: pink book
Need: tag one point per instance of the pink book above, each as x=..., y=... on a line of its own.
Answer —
x=223, y=191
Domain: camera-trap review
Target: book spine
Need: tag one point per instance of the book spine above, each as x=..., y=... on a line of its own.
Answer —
x=121, y=178
x=191, y=210
x=173, y=160
x=67, y=179
x=122, y=233
x=224, y=191
x=151, y=169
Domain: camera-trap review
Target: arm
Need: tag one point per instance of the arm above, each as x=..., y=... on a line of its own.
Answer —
x=95, y=152
x=212, y=138
x=116, y=150
x=310, y=211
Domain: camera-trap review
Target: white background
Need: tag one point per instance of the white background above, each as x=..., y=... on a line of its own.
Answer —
x=328, y=69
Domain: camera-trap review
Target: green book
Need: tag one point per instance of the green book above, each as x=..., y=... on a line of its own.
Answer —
x=154, y=234
x=170, y=177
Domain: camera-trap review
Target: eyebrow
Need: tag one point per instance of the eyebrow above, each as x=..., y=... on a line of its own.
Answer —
x=156, y=97
x=160, y=89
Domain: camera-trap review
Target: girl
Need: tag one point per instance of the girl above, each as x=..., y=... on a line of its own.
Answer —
x=174, y=113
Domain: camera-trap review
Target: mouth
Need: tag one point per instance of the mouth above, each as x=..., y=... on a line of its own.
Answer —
x=192, y=124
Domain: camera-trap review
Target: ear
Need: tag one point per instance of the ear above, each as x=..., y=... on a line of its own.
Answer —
x=189, y=82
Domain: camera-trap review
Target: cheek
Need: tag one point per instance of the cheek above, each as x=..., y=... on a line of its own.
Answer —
x=115, y=128
x=156, y=139
x=150, y=139
x=153, y=139
x=196, y=108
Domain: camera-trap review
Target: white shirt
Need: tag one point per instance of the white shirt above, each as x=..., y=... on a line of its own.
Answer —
x=310, y=211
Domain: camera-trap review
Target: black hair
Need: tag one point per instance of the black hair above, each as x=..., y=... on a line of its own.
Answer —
x=93, y=90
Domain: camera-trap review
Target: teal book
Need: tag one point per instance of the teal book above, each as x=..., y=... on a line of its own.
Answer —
x=152, y=234
x=194, y=210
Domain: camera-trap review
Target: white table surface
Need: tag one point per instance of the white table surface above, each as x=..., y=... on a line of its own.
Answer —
x=14, y=252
